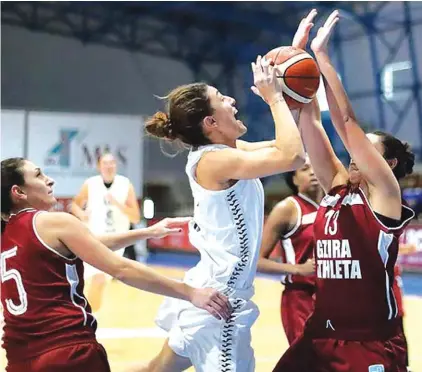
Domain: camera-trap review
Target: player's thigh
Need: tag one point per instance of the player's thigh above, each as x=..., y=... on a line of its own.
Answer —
x=167, y=361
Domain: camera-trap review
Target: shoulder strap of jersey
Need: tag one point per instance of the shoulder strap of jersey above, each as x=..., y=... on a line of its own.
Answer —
x=196, y=154
x=298, y=218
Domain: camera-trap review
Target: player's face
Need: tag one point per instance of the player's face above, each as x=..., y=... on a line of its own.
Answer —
x=305, y=178
x=107, y=167
x=38, y=189
x=225, y=115
x=354, y=173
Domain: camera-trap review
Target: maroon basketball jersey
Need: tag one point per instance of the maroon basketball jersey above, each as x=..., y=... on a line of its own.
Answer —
x=355, y=254
x=297, y=246
x=397, y=290
x=41, y=293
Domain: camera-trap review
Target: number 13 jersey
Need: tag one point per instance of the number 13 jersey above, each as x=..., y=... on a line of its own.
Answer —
x=355, y=256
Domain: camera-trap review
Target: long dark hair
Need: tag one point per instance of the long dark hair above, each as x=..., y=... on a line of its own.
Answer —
x=11, y=174
x=396, y=149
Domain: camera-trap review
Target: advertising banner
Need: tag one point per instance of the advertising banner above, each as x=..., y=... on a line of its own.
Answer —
x=12, y=134
x=412, y=237
x=67, y=146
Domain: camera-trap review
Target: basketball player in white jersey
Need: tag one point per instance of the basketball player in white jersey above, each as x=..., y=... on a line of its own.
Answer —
x=224, y=174
x=107, y=203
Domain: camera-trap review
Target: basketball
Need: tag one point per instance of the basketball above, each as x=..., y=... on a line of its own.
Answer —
x=298, y=72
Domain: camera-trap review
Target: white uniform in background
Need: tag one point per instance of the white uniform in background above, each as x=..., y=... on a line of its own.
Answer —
x=227, y=231
x=104, y=217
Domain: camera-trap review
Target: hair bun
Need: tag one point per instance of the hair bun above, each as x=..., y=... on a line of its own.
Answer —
x=159, y=125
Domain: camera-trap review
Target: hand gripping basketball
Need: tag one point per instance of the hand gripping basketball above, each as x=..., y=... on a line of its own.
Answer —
x=265, y=82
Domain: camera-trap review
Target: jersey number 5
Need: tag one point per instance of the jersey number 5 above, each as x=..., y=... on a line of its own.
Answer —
x=331, y=223
x=13, y=274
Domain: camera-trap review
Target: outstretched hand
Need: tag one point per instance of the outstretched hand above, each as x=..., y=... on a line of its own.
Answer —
x=320, y=42
x=300, y=40
x=169, y=226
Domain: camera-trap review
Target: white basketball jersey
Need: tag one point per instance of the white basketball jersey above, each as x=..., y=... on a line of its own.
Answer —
x=227, y=231
x=103, y=216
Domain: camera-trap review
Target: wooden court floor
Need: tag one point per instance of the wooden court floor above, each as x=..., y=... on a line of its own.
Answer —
x=127, y=329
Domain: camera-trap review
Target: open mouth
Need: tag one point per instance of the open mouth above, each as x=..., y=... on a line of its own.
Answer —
x=235, y=114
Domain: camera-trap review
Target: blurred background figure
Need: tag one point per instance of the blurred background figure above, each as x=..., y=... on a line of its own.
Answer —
x=107, y=203
x=412, y=193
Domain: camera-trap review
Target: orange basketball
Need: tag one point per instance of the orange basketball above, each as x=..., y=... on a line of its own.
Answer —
x=299, y=74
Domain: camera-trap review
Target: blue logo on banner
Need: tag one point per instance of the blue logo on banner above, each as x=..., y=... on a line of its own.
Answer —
x=59, y=154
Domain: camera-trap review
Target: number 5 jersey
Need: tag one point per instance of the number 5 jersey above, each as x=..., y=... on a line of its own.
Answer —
x=41, y=293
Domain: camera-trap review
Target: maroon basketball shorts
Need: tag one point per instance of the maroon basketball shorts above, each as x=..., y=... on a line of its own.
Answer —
x=79, y=357
x=297, y=305
x=330, y=355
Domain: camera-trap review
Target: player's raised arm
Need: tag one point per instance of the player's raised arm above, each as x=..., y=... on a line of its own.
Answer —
x=369, y=161
x=287, y=152
x=327, y=167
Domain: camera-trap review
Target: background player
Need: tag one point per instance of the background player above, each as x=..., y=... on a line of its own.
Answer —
x=48, y=322
x=291, y=222
x=354, y=326
x=223, y=174
x=107, y=203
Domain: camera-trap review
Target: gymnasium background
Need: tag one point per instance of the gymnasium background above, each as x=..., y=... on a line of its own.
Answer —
x=79, y=78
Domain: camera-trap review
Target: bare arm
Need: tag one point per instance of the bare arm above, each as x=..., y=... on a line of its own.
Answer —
x=229, y=164
x=165, y=227
x=252, y=146
x=327, y=167
x=283, y=154
x=116, y=241
x=280, y=221
x=370, y=162
x=384, y=188
x=73, y=235
x=79, y=202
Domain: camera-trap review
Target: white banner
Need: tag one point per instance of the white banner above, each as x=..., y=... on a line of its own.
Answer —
x=67, y=147
x=12, y=133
